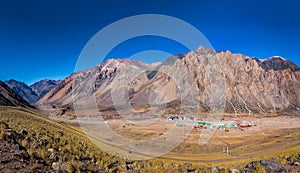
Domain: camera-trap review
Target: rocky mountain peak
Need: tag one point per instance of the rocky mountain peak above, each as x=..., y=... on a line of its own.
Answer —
x=15, y=82
x=204, y=50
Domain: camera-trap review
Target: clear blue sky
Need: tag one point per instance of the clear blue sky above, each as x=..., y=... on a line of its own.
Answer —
x=43, y=39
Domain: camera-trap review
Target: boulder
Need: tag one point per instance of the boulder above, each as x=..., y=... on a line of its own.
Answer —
x=24, y=132
x=215, y=169
x=59, y=167
x=269, y=166
x=234, y=171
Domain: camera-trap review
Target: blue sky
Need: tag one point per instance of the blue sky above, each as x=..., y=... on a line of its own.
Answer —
x=43, y=39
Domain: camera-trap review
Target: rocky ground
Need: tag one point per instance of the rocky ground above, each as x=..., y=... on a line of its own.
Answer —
x=14, y=158
x=271, y=166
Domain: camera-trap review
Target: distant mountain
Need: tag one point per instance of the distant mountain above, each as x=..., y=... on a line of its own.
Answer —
x=23, y=90
x=59, y=95
x=34, y=92
x=277, y=63
x=249, y=85
x=9, y=98
x=42, y=87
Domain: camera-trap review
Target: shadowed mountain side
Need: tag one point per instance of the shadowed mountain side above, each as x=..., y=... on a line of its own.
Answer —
x=9, y=98
x=43, y=87
x=32, y=93
x=23, y=90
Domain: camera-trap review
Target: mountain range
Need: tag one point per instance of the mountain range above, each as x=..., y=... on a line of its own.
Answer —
x=247, y=85
x=34, y=92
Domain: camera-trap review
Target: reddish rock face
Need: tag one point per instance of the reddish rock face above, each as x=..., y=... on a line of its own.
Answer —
x=253, y=85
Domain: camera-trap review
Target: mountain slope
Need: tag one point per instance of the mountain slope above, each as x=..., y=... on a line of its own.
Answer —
x=23, y=90
x=9, y=98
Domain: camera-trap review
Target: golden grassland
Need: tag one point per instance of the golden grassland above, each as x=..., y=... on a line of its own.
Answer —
x=74, y=148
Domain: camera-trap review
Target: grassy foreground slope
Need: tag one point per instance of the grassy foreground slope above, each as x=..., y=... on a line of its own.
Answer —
x=54, y=142
x=68, y=149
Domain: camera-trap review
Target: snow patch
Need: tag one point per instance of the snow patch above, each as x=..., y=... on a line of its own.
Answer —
x=278, y=57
